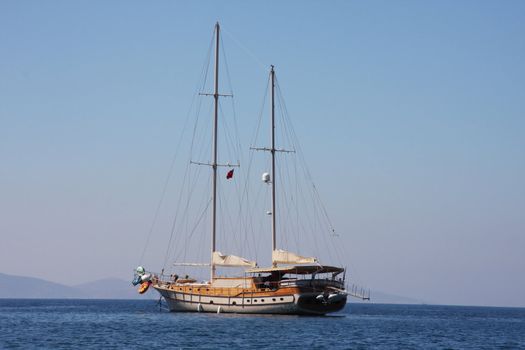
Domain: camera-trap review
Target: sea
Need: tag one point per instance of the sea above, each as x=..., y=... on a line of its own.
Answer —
x=144, y=324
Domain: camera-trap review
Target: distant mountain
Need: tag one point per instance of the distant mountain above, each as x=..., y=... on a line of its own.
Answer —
x=113, y=288
x=30, y=287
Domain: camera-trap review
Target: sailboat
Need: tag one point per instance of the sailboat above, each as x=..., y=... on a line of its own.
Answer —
x=293, y=284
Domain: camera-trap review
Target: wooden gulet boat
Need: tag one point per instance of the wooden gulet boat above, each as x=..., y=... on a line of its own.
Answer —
x=294, y=284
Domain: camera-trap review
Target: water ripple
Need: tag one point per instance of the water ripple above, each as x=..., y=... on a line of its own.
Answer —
x=138, y=324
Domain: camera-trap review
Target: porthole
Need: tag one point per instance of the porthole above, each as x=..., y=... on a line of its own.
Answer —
x=234, y=303
x=262, y=300
x=254, y=300
x=282, y=299
x=273, y=299
x=211, y=301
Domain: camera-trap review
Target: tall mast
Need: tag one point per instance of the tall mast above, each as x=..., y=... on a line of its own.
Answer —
x=214, y=162
x=272, y=150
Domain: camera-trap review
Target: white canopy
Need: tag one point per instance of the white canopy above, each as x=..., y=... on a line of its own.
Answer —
x=231, y=260
x=280, y=256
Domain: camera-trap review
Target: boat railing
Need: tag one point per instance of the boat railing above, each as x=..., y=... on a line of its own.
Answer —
x=160, y=278
x=358, y=292
x=311, y=283
x=297, y=281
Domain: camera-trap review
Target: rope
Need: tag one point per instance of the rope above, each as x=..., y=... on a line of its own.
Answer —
x=204, y=73
x=200, y=88
x=246, y=49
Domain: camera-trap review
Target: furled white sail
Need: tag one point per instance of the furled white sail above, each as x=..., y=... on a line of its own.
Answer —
x=280, y=256
x=231, y=260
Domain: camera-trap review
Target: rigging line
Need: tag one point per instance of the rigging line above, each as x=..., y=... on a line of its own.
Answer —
x=283, y=206
x=196, y=123
x=248, y=223
x=201, y=216
x=164, y=189
x=232, y=141
x=291, y=133
x=227, y=218
x=296, y=175
x=254, y=137
x=286, y=134
x=263, y=221
x=289, y=196
x=183, y=187
x=230, y=144
x=305, y=166
x=231, y=150
x=311, y=231
x=204, y=75
x=246, y=50
x=204, y=79
x=251, y=223
x=222, y=223
x=170, y=171
x=234, y=148
x=200, y=141
x=237, y=192
x=187, y=187
x=317, y=207
x=223, y=52
x=317, y=218
x=174, y=221
x=227, y=223
x=181, y=195
x=240, y=212
x=283, y=167
x=236, y=129
x=206, y=65
x=229, y=138
x=199, y=219
x=191, y=188
x=324, y=214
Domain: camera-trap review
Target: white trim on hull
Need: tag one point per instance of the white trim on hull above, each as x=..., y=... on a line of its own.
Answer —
x=283, y=304
x=185, y=306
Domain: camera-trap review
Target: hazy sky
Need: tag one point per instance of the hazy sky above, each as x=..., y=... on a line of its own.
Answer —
x=412, y=116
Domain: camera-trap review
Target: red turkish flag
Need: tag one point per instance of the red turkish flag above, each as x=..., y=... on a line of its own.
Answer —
x=229, y=175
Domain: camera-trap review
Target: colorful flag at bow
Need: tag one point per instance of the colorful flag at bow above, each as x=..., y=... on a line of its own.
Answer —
x=230, y=174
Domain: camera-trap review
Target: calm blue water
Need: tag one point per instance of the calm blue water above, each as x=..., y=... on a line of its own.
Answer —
x=110, y=324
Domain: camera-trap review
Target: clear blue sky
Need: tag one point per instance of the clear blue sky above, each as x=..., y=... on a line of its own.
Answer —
x=412, y=116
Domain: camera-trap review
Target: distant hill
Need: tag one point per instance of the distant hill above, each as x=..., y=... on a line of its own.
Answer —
x=114, y=288
x=30, y=287
x=37, y=288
